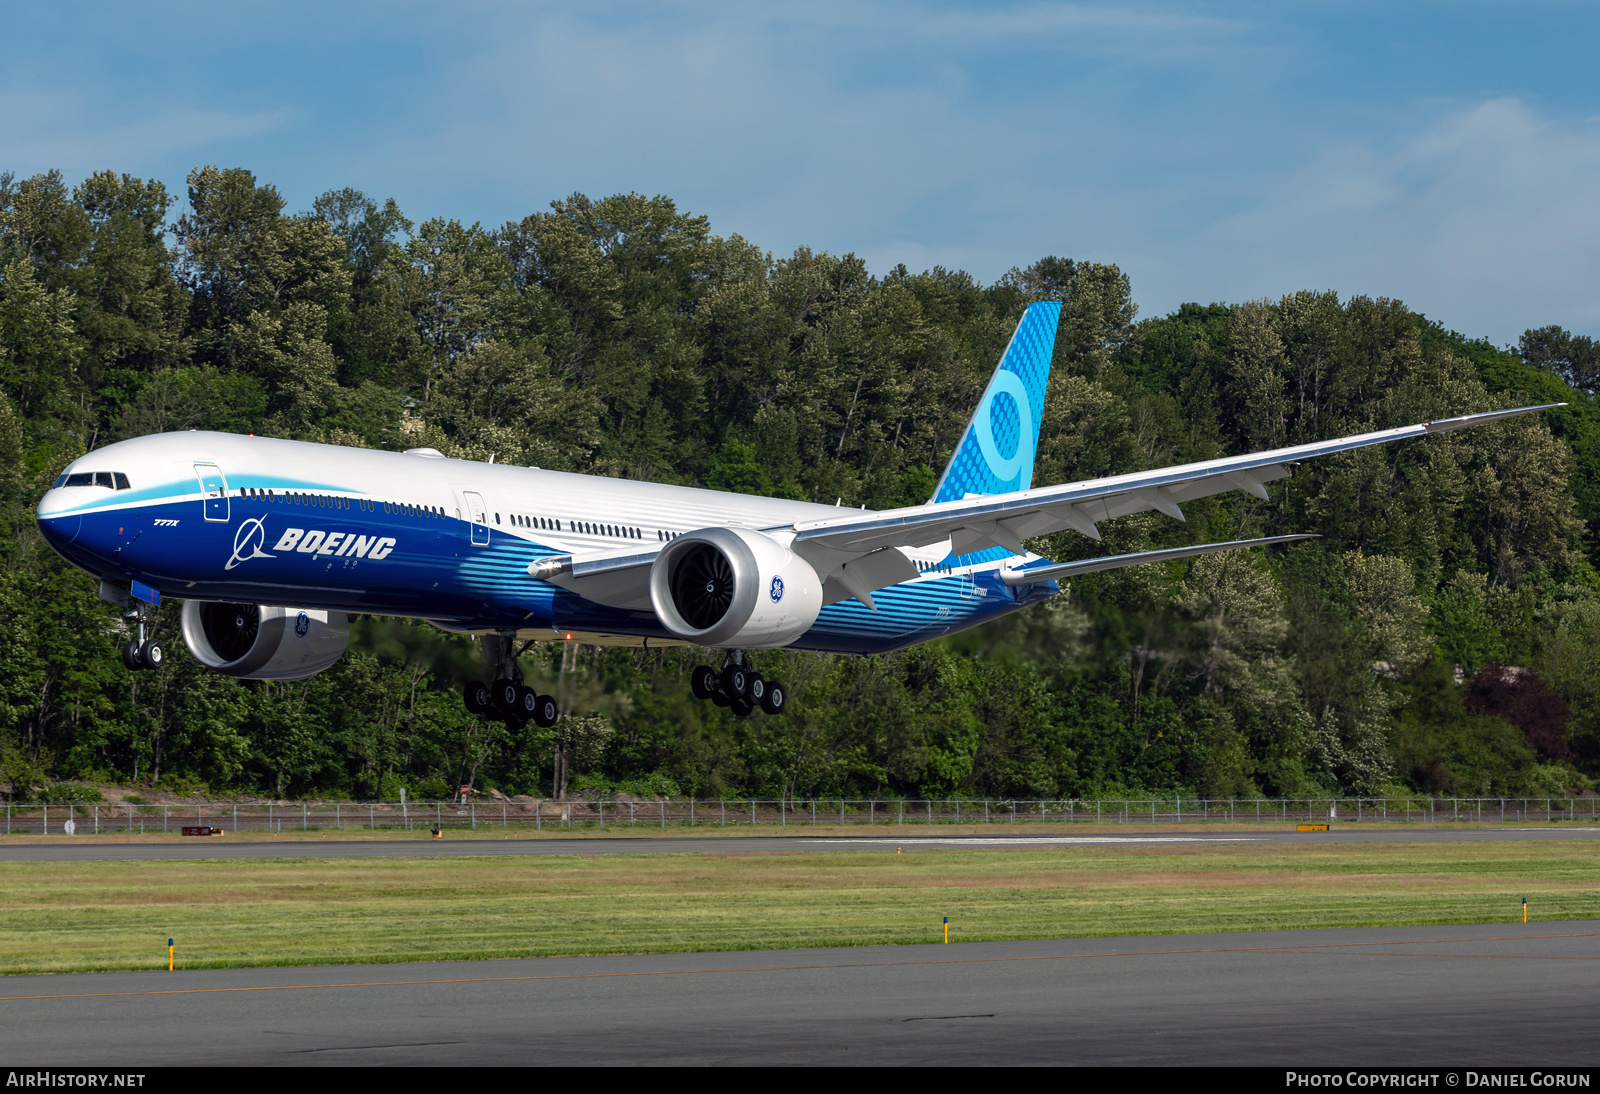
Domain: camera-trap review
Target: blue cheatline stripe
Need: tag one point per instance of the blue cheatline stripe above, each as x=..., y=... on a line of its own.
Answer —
x=997, y=451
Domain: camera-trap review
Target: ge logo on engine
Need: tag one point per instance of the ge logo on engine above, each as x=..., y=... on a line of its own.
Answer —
x=777, y=589
x=302, y=624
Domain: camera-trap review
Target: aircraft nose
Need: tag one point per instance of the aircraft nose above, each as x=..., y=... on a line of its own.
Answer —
x=62, y=529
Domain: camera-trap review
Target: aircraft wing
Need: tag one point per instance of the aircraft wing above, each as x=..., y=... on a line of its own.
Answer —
x=1005, y=520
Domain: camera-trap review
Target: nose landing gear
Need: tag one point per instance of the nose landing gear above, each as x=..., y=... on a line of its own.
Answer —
x=738, y=688
x=141, y=652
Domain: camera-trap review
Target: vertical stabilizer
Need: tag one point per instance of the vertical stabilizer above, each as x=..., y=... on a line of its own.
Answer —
x=997, y=450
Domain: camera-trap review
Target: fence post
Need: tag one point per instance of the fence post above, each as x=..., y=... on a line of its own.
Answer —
x=724, y=803
x=929, y=804
x=752, y=812
x=663, y=812
x=164, y=810
x=902, y=819
x=372, y=817
x=872, y=812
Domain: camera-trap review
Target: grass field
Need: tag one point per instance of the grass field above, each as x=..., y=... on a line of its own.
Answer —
x=64, y=917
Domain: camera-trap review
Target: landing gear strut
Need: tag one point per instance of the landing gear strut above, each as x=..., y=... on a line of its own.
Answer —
x=508, y=698
x=141, y=652
x=738, y=688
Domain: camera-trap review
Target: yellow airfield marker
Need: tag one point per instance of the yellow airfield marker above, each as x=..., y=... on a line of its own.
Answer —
x=169, y=955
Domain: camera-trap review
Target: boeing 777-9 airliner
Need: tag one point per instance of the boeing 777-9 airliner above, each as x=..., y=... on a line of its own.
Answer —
x=274, y=545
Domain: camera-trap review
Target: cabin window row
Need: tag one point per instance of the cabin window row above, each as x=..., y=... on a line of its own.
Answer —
x=576, y=527
x=334, y=501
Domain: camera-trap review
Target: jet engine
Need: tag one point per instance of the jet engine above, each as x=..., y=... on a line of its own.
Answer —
x=263, y=641
x=734, y=587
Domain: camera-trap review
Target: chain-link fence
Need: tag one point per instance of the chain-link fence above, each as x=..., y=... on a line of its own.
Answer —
x=612, y=813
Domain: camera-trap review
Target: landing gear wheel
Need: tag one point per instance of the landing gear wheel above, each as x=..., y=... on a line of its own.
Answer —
x=720, y=698
x=545, y=711
x=505, y=697
x=152, y=655
x=130, y=654
x=477, y=697
x=758, y=688
x=703, y=682
x=527, y=702
x=736, y=680
x=775, y=698
x=742, y=706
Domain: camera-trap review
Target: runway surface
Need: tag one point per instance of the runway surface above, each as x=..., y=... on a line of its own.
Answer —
x=1457, y=996
x=68, y=849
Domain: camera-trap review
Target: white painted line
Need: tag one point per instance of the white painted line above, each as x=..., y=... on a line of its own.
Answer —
x=979, y=841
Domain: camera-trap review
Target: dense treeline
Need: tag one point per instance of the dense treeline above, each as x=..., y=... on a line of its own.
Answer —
x=1442, y=635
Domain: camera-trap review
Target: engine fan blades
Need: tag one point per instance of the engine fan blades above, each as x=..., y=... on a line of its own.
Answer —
x=702, y=586
x=231, y=628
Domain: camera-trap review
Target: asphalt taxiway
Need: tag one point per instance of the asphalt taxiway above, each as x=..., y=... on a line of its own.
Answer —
x=1506, y=994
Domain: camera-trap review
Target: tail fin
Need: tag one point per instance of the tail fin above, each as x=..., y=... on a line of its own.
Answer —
x=1008, y=415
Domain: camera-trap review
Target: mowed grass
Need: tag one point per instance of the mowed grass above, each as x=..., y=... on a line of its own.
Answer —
x=61, y=917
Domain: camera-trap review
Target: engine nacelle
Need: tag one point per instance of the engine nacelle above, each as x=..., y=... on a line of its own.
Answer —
x=263, y=641
x=734, y=587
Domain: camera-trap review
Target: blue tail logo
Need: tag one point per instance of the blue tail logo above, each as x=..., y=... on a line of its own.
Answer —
x=997, y=451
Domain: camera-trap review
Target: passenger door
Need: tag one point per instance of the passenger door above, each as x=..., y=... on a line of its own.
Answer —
x=478, y=514
x=213, y=491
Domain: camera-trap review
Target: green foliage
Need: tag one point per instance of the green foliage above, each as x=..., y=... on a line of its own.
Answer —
x=620, y=336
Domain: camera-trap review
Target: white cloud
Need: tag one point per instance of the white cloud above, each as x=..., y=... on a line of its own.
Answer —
x=40, y=132
x=1486, y=220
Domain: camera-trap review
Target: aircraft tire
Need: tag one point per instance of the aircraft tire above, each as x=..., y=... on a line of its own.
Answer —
x=527, y=703
x=742, y=706
x=130, y=654
x=151, y=655
x=545, y=712
x=776, y=698
x=721, y=698
x=477, y=698
x=757, y=689
x=505, y=697
x=736, y=681
x=703, y=682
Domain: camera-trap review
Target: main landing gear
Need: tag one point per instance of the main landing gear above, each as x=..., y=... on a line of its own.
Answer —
x=738, y=688
x=141, y=652
x=508, y=698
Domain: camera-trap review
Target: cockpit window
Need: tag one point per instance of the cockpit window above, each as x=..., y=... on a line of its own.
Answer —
x=111, y=480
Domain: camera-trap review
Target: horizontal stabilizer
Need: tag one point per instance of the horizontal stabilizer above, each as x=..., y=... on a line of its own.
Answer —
x=1034, y=574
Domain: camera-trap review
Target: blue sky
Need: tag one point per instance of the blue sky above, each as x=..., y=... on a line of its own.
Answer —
x=1447, y=154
